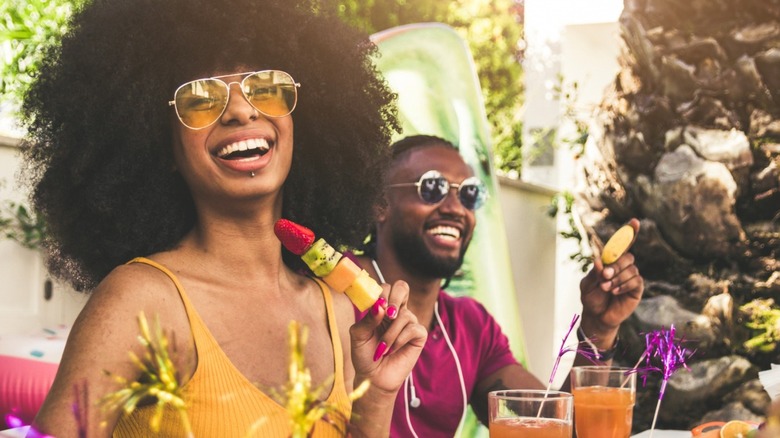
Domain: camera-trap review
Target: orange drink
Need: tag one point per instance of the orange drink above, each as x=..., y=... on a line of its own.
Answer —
x=530, y=428
x=530, y=414
x=603, y=412
x=604, y=400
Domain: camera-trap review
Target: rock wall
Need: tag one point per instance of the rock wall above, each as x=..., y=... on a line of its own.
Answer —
x=687, y=139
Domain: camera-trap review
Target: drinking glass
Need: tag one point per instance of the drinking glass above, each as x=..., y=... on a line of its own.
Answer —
x=604, y=400
x=530, y=414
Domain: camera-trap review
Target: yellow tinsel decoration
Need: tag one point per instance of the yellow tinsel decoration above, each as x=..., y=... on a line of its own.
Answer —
x=158, y=380
x=303, y=402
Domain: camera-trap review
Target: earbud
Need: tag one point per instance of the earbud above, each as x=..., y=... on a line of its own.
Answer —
x=415, y=401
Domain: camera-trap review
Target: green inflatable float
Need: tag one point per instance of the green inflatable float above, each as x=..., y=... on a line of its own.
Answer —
x=431, y=69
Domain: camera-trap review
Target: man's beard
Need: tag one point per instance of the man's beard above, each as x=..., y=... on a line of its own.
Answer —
x=418, y=259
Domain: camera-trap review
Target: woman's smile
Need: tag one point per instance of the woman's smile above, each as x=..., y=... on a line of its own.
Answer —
x=244, y=149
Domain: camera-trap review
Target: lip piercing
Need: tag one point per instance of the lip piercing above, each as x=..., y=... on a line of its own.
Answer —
x=252, y=174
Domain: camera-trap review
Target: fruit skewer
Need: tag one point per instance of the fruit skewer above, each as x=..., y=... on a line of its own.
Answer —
x=337, y=271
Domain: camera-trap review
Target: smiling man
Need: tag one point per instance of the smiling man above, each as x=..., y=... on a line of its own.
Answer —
x=421, y=235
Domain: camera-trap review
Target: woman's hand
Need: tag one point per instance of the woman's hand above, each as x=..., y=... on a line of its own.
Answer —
x=385, y=346
x=387, y=341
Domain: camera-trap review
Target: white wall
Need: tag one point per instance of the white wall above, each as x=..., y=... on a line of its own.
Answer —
x=545, y=24
x=531, y=234
x=568, y=41
x=19, y=267
x=23, y=308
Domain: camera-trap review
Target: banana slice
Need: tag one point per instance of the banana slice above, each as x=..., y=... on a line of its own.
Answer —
x=618, y=244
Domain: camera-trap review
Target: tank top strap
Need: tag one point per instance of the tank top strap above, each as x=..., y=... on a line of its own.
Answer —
x=196, y=324
x=338, y=353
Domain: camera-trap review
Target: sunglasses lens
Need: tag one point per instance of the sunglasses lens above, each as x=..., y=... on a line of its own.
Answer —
x=272, y=92
x=472, y=193
x=433, y=189
x=200, y=103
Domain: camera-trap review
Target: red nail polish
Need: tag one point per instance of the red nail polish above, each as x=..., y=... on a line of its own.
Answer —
x=392, y=312
x=380, y=349
x=379, y=303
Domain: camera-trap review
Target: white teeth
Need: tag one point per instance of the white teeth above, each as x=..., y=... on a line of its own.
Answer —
x=260, y=144
x=445, y=231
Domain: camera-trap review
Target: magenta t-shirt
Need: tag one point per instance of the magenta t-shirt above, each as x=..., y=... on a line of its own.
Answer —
x=482, y=349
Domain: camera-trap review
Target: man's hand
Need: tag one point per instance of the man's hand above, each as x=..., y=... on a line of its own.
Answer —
x=609, y=296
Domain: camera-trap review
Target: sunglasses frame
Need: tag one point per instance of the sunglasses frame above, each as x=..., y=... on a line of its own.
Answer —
x=435, y=174
x=228, y=85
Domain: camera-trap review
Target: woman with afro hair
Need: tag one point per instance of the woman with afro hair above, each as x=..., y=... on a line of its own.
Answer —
x=165, y=139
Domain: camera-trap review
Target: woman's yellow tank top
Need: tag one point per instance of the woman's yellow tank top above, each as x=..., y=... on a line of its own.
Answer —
x=221, y=402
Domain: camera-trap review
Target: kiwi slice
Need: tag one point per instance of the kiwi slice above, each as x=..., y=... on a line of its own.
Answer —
x=618, y=244
x=321, y=258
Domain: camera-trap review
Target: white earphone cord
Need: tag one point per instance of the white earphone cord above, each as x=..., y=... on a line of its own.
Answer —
x=409, y=381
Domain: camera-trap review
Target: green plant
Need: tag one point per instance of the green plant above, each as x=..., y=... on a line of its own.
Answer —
x=544, y=140
x=567, y=94
x=565, y=200
x=25, y=27
x=21, y=224
x=763, y=319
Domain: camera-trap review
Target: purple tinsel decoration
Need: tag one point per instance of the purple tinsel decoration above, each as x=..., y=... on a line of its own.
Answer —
x=80, y=408
x=672, y=355
x=584, y=351
x=564, y=349
x=13, y=421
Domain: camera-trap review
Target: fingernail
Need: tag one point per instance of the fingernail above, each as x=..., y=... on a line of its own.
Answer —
x=379, y=303
x=380, y=349
x=392, y=312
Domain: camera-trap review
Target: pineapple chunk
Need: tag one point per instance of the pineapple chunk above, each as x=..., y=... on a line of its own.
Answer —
x=364, y=291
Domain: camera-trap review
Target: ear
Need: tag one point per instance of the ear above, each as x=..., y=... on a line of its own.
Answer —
x=380, y=211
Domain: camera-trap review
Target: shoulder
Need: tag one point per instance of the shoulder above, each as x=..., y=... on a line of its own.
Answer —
x=125, y=294
x=109, y=324
x=107, y=330
x=135, y=287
